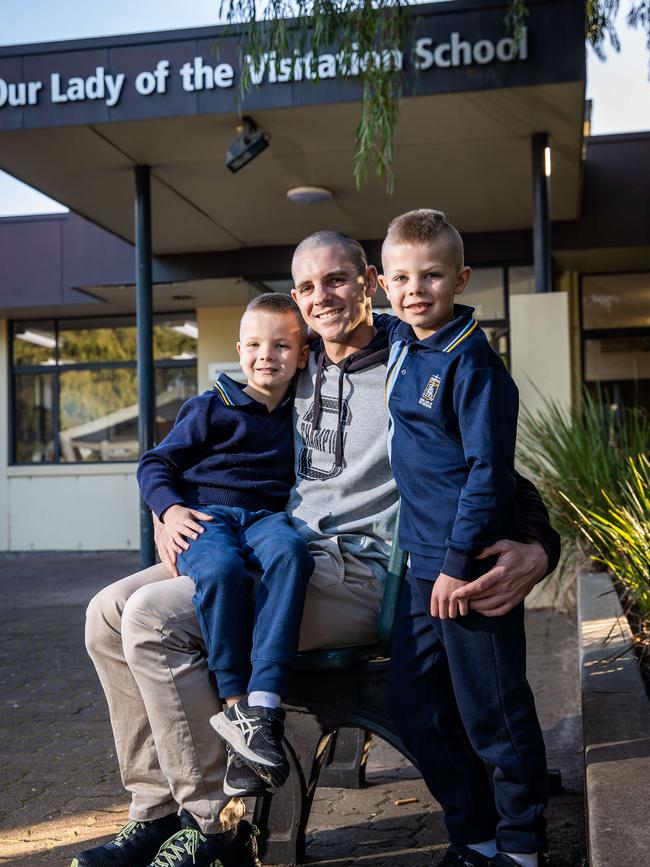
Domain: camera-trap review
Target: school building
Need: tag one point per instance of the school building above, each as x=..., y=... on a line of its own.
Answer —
x=164, y=245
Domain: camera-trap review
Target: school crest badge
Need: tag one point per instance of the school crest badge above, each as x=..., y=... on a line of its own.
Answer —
x=430, y=392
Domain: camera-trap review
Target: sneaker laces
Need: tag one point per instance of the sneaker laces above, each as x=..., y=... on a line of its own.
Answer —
x=183, y=842
x=126, y=832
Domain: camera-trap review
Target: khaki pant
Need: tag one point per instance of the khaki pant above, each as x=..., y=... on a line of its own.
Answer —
x=144, y=640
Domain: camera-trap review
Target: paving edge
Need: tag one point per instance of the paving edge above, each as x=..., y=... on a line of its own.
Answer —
x=616, y=729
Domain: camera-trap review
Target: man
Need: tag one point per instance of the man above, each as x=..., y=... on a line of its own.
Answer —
x=142, y=633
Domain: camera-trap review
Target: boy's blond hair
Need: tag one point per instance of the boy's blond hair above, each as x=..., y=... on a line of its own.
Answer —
x=423, y=226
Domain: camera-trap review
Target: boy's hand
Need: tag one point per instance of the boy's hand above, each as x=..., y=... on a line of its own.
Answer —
x=518, y=568
x=181, y=525
x=443, y=604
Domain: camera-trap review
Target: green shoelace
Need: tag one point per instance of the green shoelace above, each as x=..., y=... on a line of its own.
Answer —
x=183, y=842
x=125, y=832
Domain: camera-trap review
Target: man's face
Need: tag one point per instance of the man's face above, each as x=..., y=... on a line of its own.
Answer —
x=333, y=297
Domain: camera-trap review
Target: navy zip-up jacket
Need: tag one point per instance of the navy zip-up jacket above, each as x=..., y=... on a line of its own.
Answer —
x=225, y=449
x=453, y=409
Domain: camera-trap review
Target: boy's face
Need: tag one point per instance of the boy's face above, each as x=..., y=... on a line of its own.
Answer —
x=271, y=348
x=421, y=282
x=333, y=297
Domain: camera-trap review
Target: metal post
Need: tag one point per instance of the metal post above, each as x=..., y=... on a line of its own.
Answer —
x=144, y=320
x=541, y=216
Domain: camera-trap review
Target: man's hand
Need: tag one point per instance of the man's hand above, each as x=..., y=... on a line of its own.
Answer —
x=518, y=568
x=171, y=534
x=443, y=604
x=167, y=551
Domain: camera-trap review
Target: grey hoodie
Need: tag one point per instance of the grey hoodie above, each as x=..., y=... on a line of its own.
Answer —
x=344, y=485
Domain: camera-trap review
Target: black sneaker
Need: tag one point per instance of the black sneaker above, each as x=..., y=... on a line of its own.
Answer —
x=463, y=856
x=255, y=734
x=503, y=860
x=134, y=846
x=241, y=781
x=190, y=847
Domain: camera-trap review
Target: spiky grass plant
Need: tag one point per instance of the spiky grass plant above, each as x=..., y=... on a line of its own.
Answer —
x=574, y=457
x=620, y=534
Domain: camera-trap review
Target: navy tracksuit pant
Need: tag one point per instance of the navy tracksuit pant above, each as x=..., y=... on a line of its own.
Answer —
x=251, y=571
x=458, y=694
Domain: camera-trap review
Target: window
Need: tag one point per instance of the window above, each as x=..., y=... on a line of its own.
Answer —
x=75, y=389
x=616, y=336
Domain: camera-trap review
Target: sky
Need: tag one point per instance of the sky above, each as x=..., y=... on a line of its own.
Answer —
x=619, y=88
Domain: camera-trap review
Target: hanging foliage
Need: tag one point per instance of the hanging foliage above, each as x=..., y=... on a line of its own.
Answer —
x=366, y=39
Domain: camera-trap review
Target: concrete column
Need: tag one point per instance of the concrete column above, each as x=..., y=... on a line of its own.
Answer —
x=218, y=334
x=541, y=216
x=144, y=319
x=540, y=346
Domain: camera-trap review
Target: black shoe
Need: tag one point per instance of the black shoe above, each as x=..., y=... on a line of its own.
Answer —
x=502, y=860
x=190, y=847
x=134, y=846
x=463, y=856
x=241, y=781
x=255, y=734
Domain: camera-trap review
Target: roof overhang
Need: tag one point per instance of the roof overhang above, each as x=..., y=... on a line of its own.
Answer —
x=463, y=141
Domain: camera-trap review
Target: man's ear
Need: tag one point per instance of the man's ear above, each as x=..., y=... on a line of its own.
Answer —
x=371, y=280
x=463, y=279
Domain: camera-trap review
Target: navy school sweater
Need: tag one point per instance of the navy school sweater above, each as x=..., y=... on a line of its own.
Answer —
x=453, y=420
x=225, y=449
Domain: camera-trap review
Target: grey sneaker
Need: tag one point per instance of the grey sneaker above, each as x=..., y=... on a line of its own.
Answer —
x=255, y=735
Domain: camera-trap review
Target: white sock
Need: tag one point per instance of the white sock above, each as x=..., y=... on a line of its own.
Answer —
x=487, y=848
x=259, y=698
x=526, y=859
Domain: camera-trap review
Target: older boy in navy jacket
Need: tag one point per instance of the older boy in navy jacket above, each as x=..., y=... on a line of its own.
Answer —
x=453, y=409
x=228, y=463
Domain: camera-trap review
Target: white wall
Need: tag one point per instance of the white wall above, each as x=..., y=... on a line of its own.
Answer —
x=73, y=508
x=540, y=348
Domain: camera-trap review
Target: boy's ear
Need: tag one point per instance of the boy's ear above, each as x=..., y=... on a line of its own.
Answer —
x=382, y=282
x=303, y=357
x=463, y=279
x=238, y=345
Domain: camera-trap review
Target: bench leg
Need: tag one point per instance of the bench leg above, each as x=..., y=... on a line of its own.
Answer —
x=344, y=766
x=283, y=815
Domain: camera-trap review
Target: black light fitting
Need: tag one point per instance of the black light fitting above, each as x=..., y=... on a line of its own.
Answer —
x=249, y=143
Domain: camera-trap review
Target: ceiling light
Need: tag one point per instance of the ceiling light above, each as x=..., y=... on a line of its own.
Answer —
x=248, y=144
x=309, y=195
x=38, y=338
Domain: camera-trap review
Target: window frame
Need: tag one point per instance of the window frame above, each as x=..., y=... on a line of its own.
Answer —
x=55, y=370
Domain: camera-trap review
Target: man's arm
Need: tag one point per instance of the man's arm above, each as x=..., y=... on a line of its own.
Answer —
x=520, y=566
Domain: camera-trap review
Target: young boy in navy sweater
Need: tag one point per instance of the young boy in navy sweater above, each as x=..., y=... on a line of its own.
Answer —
x=453, y=409
x=228, y=463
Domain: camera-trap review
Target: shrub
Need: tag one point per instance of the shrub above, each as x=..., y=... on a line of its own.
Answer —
x=620, y=534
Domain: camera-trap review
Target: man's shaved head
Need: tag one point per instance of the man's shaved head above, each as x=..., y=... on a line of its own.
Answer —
x=353, y=249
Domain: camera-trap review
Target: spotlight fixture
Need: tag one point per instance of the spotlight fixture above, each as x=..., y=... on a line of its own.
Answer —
x=248, y=144
x=309, y=195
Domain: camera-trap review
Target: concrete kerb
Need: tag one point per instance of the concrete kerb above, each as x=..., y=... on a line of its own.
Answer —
x=616, y=729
